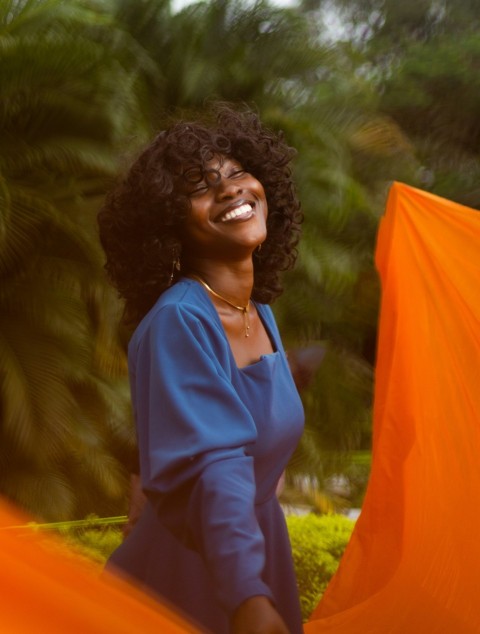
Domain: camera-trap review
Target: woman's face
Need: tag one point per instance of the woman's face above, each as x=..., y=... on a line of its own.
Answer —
x=228, y=211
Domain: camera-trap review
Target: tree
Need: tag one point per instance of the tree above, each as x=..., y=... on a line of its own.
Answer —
x=63, y=397
x=427, y=83
x=435, y=97
x=224, y=49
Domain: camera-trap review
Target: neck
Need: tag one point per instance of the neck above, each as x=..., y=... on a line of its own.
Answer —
x=234, y=283
x=225, y=299
x=243, y=308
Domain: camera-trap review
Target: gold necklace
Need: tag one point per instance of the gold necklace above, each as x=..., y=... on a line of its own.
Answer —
x=242, y=309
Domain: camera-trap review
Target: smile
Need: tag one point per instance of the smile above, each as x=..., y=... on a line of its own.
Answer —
x=243, y=212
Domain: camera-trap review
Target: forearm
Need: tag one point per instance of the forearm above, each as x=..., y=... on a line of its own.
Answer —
x=226, y=530
x=257, y=615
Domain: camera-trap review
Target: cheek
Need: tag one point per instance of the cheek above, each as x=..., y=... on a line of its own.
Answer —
x=196, y=215
x=196, y=228
x=263, y=199
x=259, y=191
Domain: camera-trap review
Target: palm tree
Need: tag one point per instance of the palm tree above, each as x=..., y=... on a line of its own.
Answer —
x=66, y=105
x=225, y=49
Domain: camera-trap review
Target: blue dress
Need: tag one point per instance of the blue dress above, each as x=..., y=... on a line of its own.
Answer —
x=213, y=440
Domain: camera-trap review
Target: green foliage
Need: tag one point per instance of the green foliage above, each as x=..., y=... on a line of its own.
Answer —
x=427, y=84
x=92, y=538
x=63, y=399
x=226, y=49
x=435, y=97
x=96, y=543
x=318, y=542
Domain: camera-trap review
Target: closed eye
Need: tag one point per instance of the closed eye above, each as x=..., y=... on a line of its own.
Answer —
x=237, y=173
x=201, y=188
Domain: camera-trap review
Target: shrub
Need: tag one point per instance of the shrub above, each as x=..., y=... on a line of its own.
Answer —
x=318, y=542
x=94, y=543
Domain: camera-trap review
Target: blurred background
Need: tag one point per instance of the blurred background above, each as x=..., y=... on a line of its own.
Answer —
x=368, y=91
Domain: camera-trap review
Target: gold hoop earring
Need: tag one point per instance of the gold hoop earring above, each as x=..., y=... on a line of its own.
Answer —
x=176, y=266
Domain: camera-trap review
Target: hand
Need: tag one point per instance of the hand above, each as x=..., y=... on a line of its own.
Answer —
x=257, y=616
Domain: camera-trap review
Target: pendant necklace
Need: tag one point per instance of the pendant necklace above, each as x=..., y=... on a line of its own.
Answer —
x=242, y=309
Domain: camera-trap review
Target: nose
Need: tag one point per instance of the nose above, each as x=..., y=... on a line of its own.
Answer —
x=226, y=188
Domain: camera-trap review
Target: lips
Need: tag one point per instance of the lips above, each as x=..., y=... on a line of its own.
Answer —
x=242, y=210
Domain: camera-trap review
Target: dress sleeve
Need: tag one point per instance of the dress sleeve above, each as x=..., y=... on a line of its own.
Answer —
x=194, y=434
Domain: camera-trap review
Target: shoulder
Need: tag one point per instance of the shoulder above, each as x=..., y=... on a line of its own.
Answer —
x=184, y=311
x=267, y=313
x=268, y=318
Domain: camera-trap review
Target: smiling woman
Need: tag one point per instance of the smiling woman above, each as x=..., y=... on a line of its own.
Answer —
x=196, y=236
x=228, y=214
x=142, y=219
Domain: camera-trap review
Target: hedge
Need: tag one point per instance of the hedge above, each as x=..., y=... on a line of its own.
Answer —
x=318, y=542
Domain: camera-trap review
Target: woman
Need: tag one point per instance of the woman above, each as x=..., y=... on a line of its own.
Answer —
x=196, y=237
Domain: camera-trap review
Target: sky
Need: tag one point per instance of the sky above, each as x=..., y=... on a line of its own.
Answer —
x=179, y=4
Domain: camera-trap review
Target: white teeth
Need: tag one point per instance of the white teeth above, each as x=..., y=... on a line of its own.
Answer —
x=239, y=211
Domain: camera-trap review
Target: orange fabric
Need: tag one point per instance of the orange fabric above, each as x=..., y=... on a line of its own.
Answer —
x=413, y=563
x=44, y=590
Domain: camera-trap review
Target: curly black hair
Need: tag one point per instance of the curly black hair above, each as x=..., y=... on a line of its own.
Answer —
x=141, y=218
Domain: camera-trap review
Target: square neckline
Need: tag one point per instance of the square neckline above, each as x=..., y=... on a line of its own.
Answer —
x=259, y=308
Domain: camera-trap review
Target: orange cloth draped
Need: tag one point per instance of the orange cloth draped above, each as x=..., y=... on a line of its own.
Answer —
x=413, y=563
x=45, y=591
